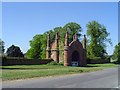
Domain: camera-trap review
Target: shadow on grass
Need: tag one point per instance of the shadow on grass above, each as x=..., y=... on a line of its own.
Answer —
x=24, y=68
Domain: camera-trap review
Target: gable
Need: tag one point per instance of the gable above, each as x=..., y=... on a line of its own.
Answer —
x=75, y=45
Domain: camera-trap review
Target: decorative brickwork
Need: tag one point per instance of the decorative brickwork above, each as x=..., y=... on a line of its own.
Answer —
x=66, y=51
x=74, y=53
x=77, y=53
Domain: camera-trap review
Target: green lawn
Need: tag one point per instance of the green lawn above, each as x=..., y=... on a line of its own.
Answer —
x=31, y=71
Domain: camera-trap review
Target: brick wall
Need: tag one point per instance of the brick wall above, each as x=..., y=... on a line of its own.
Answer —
x=24, y=61
x=98, y=61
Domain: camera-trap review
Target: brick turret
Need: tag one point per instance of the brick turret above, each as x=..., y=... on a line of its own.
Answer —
x=66, y=39
x=73, y=37
x=76, y=37
x=66, y=51
x=56, y=48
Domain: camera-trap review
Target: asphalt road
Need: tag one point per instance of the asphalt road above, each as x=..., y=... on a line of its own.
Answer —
x=107, y=78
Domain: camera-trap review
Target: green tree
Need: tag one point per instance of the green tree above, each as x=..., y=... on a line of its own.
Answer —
x=72, y=28
x=116, y=53
x=14, y=51
x=39, y=42
x=98, y=36
x=1, y=47
x=35, y=47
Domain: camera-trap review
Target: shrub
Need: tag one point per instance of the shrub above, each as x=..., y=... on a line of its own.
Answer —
x=94, y=59
x=53, y=63
x=98, y=60
x=61, y=63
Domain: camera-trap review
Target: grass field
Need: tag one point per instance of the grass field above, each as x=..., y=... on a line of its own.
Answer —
x=31, y=71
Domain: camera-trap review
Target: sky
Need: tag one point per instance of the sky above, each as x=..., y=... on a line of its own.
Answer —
x=21, y=21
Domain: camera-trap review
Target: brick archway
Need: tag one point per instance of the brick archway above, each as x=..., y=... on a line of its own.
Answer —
x=75, y=56
x=74, y=52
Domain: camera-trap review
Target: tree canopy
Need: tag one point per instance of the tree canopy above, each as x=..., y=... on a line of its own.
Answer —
x=39, y=42
x=72, y=28
x=96, y=41
x=14, y=51
x=36, y=47
x=116, y=53
x=98, y=36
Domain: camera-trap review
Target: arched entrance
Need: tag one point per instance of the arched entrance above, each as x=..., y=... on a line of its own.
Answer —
x=75, y=58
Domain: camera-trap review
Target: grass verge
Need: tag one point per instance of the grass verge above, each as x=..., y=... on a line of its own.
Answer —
x=31, y=71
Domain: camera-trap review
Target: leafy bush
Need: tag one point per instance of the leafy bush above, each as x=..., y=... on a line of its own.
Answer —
x=61, y=63
x=53, y=63
x=94, y=59
x=98, y=60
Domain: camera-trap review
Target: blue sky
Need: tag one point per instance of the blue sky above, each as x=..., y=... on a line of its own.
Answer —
x=21, y=21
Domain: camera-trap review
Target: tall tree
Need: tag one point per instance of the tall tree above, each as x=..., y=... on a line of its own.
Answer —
x=72, y=28
x=98, y=37
x=1, y=47
x=116, y=53
x=35, y=47
x=14, y=51
x=39, y=42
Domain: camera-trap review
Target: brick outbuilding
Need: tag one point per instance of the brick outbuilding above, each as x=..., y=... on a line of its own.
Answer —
x=74, y=53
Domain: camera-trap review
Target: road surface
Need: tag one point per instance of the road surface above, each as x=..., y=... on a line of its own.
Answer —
x=107, y=78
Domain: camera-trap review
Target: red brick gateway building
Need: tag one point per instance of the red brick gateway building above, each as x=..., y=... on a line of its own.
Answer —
x=74, y=52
